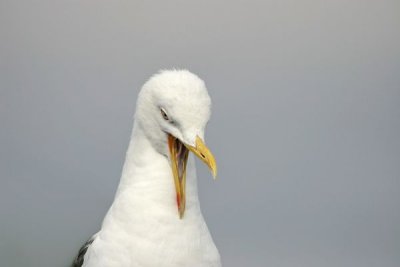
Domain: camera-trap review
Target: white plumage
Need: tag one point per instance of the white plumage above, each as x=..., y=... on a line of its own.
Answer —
x=142, y=227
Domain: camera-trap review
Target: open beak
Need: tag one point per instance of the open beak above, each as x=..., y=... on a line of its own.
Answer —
x=179, y=153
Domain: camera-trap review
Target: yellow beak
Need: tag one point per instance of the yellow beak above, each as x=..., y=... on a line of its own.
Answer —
x=202, y=151
x=179, y=153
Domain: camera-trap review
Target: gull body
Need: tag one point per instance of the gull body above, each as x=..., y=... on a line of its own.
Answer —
x=143, y=227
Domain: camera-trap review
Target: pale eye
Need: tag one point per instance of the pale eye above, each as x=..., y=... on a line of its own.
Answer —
x=164, y=115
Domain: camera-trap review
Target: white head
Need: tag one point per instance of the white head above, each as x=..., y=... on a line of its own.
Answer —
x=173, y=109
x=174, y=102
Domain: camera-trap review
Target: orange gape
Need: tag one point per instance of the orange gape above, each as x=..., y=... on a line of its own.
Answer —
x=178, y=156
x=179, y=153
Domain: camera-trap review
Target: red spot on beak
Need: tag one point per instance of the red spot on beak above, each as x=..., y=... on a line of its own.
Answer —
x=178, y=201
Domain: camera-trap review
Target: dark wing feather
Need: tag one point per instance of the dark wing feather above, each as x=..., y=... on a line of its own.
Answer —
x=78, y=262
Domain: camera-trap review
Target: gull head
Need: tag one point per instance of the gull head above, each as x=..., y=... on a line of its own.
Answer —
x=173, y=109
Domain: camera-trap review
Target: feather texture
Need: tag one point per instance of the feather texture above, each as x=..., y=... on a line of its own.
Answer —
x=142, y=227
x=78, y=261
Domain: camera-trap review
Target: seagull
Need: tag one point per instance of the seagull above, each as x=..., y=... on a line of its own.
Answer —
x=155, y=219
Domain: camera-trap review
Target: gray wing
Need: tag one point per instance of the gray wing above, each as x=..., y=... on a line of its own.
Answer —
x=78, y=261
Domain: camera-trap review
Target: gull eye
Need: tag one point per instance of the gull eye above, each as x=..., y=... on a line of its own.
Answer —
x=164, y=115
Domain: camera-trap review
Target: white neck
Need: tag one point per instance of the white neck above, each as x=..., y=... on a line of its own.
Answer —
x=142, y=227
x=147, y=186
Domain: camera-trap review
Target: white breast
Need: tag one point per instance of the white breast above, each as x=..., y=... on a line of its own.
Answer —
x=142, y=228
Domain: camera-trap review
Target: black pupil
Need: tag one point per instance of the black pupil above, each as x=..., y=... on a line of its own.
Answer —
x=164, y=114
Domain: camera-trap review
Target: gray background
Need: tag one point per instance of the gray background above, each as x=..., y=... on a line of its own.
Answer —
x=305, y=123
